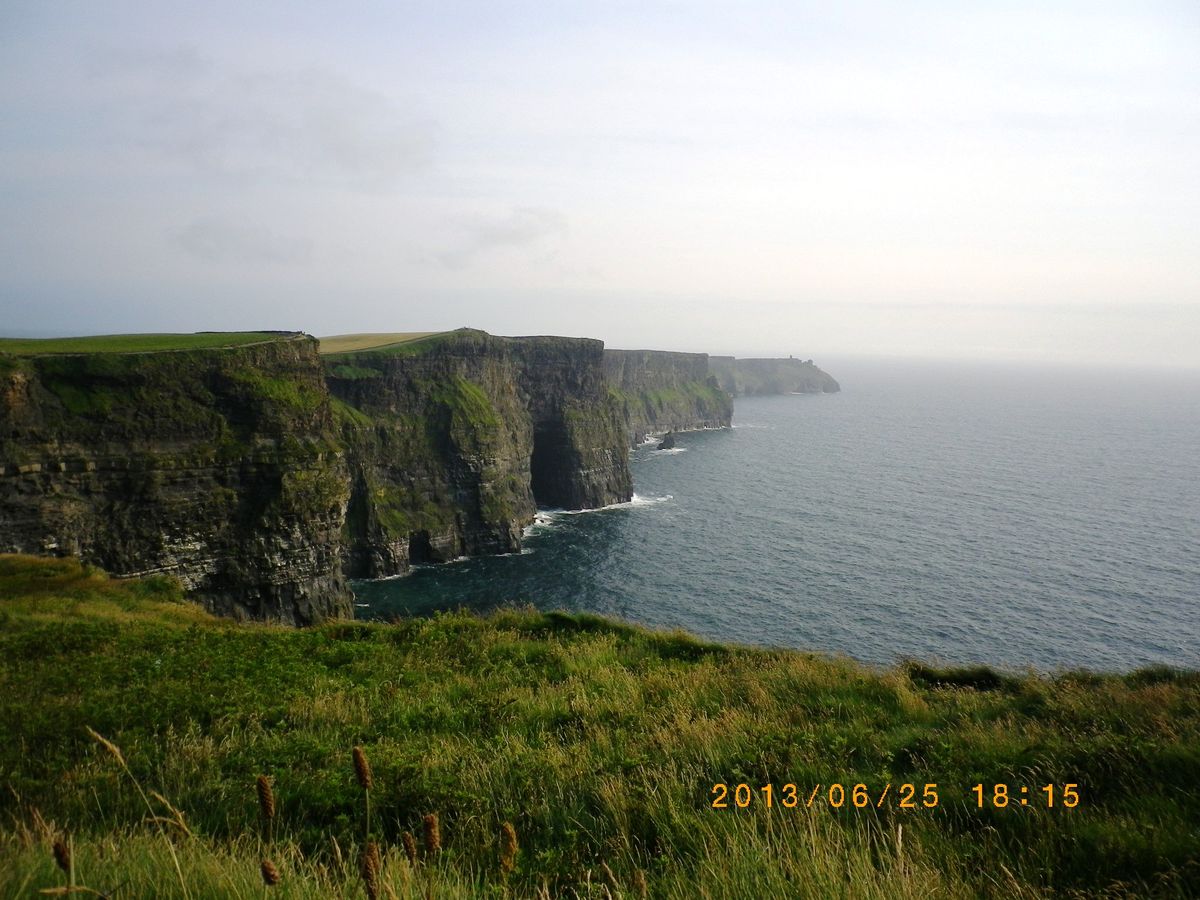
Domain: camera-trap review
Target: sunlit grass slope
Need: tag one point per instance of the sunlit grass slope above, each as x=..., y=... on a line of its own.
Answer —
x=139, y=343
x=350, y=343
x=598, y=742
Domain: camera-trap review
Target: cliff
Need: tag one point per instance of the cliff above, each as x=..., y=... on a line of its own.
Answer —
x=455, y=439
x=750, y=377
x=261, y=474
x=662, y=391
x=217, y=465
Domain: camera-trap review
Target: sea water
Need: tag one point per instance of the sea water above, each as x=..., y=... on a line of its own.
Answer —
x=1008, y=515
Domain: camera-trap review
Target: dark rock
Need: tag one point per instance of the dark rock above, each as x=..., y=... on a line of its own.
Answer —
x=668, y=441
x=661, y=391
x=455, y=440
x=220, y=467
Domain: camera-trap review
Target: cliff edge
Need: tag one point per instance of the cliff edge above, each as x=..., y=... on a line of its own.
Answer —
x=457, y=438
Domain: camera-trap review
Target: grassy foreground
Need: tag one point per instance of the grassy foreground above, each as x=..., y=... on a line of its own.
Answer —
x=598, y=743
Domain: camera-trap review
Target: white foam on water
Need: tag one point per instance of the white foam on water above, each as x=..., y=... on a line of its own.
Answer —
x=635, y=503
x=666, y=452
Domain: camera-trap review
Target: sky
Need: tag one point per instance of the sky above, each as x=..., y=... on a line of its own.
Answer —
x=998, y=181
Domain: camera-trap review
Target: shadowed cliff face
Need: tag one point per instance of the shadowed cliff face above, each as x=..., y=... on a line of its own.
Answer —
x=455, y=440
x=661, y=391
x=578, y=459
x=220, y=467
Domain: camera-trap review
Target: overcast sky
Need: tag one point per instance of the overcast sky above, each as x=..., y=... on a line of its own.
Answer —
x=1003, y=181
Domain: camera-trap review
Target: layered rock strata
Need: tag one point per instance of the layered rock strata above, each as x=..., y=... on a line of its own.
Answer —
x=660, y=391
x=456, y=439
x=219, y=467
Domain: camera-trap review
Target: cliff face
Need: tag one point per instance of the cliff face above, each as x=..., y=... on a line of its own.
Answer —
x=750, y=377
x=220, y=467
x=261, y=474
x=454, y=440
x=661, y=391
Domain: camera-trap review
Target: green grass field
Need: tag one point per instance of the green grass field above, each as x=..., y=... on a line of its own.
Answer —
x=598, y=742
x=351, y=343
x=137, y=343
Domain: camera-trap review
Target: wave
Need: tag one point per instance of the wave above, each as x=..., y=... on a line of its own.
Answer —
x=547, y=518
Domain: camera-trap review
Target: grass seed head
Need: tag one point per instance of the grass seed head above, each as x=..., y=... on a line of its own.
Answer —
x=62, y=855
x=508, y=847
x=410, y=846
x=370, y=865
x=362, y=769
x=270, y=874
x=433, y=834
x=108, y=745
x=639, y=884
x=266, y=797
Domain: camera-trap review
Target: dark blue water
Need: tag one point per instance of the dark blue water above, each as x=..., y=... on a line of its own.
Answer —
x=1017, y=517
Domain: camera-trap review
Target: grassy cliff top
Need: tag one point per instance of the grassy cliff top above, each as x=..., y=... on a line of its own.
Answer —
x=352, y=343
x=599, y=742
x=141, y=343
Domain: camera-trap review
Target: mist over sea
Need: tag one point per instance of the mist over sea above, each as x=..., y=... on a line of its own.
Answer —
x=1002, y=514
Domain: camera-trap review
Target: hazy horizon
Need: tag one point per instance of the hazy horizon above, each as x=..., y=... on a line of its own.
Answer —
x=924, y=182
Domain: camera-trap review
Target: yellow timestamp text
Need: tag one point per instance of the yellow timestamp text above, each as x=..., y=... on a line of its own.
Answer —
x=1048, y=795
x=836, y=796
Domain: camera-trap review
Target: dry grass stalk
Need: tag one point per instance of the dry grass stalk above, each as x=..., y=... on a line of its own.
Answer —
x=410, y=846
x=176, y=819
x=610, y=880
x=371, y=864
x=639, y=884
x=270, y=874
x=109, y=746
x=362, y=771
x=508, y=847
x=120, y=758
x=433, y=834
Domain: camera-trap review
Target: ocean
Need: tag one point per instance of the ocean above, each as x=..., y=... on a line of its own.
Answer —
x=1015, y=516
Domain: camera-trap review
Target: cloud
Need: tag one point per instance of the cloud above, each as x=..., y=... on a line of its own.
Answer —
x=310, y=126
x=523, y=227
x=218, y=241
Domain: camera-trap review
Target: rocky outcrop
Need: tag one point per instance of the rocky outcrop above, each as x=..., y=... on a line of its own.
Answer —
x=662, y=391
x=751, y=377
x=219, y=467
x=456, y=439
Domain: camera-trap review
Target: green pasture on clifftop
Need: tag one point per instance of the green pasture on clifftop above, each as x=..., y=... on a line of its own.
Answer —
x=530, y=754
x=139, y=343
